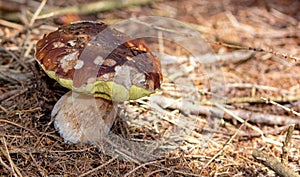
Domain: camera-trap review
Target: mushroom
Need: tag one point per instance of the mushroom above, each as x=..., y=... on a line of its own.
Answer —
x=100, y=66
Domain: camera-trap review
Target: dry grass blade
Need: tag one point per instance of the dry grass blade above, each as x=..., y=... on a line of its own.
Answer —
x=267, y=100
x=98, y=168
x=141, y=166
x=11, y=24
x=41, y=171
x=15, y=171
x=222, y=150
x=17, y=125
x=22, y=63
x=91, y=8
x=12, y=94
x=249, y=125
x=274, y=164
x=37, y=12
x=286, y=144
x=196, y=109
x=6, y=166
x=257, y=99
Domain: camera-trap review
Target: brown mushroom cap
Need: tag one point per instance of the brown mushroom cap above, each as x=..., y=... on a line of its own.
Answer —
x=90, y=58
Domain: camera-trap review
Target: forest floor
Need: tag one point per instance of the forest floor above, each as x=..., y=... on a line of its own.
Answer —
x=255, y=78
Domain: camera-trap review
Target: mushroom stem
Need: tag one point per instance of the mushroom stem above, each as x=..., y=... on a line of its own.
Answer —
x=82, y=118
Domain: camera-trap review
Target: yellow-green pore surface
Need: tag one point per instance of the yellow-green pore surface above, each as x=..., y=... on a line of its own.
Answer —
x=105, y=89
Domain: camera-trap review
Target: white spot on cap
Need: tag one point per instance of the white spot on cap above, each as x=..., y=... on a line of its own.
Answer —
x=72, y=43
x=70, y=57
x=105, y=76
x=79, y=64
x=68, y=61
x=98, y=60
x=109, y=62
x=58, y=44
x=117, y=69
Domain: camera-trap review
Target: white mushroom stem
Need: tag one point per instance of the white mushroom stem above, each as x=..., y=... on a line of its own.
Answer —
x=83, y=119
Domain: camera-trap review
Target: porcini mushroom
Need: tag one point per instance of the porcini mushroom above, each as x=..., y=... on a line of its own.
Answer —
x=99, y=65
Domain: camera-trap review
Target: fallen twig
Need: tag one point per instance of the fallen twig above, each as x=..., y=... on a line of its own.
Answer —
x=265, y=139
x=15, y=171
x=286, y=144
x=37, y=12
x=39, y=168
x=11, y=24
x=222, y=150
x=13, y=76
x=279, y=99
x=189, y=107
x=86, y=8
x=274, y=164
x=21, y=62
x=20, y=126
x=99, y=167
x=259, y=87
x=281, y=106
x=5, y=165
x=12, y=94
x=231, y=57
x=94, y=7
x=142, y=165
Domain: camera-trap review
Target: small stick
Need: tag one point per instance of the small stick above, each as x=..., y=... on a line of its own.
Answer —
x=11, y=24
x=281, y=106
x=42, y=173
x=286, y=144
x=274, y=164
x=195, y=108
x=15, y=57
x=5, y=165
x=259, y=87
x=5, y=152
x=90, y=8
x=222, y=150
x=143, y=165
x=98, y=168
x=160, y=42
x=232, y=46
x=3, y=109
x=37, y=12
x=265, y=139
x=256, y=49
x=283, y=98
x=20, y=126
